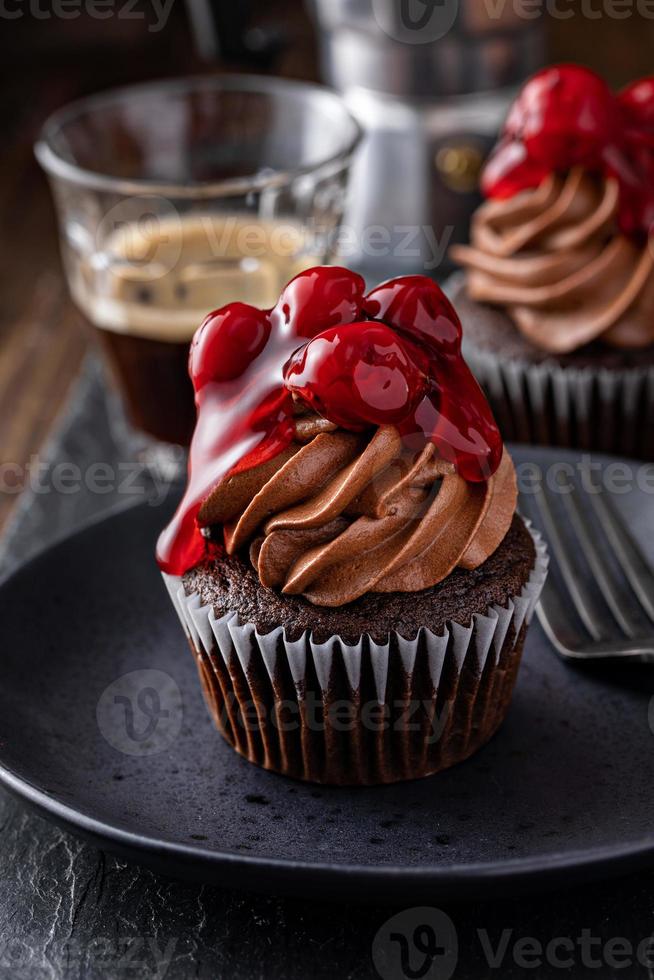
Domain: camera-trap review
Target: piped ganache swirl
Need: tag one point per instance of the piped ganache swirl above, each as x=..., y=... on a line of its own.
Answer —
x=554, y=259
x=341, y=514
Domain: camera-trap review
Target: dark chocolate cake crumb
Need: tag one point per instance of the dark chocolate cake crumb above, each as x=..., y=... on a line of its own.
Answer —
x=230, y=584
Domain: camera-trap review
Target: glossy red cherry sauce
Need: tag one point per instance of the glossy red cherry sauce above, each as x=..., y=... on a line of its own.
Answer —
x=567, y=116
x=391, y=357
x=635, y=165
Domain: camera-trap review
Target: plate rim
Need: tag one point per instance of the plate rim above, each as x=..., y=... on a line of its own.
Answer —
x=548, y=868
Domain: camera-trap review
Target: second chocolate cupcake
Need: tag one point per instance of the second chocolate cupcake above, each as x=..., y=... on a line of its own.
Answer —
x=557, y=300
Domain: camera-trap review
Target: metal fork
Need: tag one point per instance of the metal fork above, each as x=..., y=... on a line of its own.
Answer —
x=607, y=609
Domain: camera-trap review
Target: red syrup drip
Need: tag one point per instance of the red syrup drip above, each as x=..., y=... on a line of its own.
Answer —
x=453, y=412
x=567, y=116
x=634, y=167
x=391, y=357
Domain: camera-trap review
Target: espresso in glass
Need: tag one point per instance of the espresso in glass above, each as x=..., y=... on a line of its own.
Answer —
x=153, y=284
x=176, y=198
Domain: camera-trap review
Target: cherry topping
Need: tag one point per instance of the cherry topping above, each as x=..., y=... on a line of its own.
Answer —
x=510, y=170
x=637, y=104
x=418, y=307
x=567, y=116
x=393, y=357
x=454, y=413
x=358, y=374
x=226, y=343
x=317, y=299
x=634, y=166
x=564, y=115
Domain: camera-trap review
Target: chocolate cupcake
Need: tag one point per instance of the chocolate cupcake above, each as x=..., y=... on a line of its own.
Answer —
x=557, y=299
x=347, y=562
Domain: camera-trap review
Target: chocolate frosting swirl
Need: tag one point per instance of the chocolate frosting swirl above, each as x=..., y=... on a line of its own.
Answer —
x=554, y=259
x=339, y=514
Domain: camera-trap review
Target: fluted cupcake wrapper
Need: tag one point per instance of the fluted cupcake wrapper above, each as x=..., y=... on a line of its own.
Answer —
x=365, y=713
x=595, y=409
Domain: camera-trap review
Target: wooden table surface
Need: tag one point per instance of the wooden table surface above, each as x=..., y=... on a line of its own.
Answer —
x=45, y=64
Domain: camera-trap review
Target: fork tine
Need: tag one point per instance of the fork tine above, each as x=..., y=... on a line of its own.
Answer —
x=556, y=622
x=583, y=601
x=586, y=535
x=636, y=569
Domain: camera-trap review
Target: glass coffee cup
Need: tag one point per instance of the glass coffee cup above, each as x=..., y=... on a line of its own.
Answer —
x=177, y=197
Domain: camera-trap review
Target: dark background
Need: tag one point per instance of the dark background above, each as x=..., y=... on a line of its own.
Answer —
x=66, y=909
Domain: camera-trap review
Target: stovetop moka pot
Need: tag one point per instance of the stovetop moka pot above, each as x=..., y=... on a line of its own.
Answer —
x=430, y=81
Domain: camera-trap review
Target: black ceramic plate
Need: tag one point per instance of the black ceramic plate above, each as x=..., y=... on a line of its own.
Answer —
x=564, y=791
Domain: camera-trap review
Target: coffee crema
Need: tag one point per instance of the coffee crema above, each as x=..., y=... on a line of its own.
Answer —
x=152, y=283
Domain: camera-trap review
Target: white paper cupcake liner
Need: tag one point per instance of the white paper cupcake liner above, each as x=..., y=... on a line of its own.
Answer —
x=365, y=713
x=595, y=409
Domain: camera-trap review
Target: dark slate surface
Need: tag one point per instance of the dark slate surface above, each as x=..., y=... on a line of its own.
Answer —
x=68, y=910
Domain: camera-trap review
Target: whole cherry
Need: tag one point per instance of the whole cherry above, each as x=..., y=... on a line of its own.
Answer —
x=632, y=163
x=418, y=308
x=226, y=343
x=565, y=115
x=637, y=104
x=317, y=299
x=358, y=374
